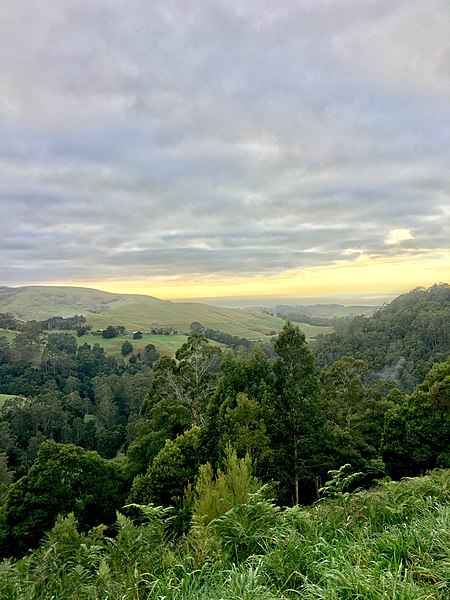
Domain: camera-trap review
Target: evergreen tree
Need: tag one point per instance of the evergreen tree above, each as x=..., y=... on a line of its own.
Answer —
x=297, y=422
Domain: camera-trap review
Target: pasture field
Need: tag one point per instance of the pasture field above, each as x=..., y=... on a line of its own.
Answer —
x=180, y=315
x=139, y=312
x=4, y=397
x=252, y=325
x=41, y=302
x=9, y=335
x=166, y=345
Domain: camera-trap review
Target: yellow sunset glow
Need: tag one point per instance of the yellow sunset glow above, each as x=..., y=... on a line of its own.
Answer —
x=362, y=275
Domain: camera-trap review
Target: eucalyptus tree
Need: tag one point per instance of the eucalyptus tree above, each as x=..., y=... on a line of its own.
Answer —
x=297, y=422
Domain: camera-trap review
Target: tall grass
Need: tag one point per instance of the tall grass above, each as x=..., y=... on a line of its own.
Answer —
x=389, y=543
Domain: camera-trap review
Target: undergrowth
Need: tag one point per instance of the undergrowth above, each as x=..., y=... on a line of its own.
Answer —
x=392, y=542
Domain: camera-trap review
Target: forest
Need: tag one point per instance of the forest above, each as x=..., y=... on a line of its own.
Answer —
x=269, y=469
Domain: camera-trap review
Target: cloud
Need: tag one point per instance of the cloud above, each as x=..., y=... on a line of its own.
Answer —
x=398, y=235
x=233, y=138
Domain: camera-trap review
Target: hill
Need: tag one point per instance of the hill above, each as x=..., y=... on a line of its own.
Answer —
x=42, y=302
x=401, y=341
x=137, y=311
x=325, y=311
x=179, y=315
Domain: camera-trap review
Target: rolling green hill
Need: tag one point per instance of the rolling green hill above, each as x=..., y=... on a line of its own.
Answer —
x=180, y=315
x=42, y=302
x=138, y=311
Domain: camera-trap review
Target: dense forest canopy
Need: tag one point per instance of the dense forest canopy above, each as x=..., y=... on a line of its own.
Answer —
x=400, y=342
x=84, y=432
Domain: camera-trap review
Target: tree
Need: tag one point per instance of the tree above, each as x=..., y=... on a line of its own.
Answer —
x=27, y=346
x=162, y=419
x=127, y=348
x=417, y=430
x=196, y=327
x=59, y=354
x=150, y=355
x=355, y=412
x=190, y=379
x=63, y=479
x=6, y=476
x=245, y=386
x=5, y=351
x=172, y=470
x=297, y=422
x=111, y=331
x=9, y=322
x=245, y=430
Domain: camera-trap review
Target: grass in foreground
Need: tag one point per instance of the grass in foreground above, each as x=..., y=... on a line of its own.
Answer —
x=389, y=543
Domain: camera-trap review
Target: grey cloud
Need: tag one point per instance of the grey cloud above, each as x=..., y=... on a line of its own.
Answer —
x=185, y=137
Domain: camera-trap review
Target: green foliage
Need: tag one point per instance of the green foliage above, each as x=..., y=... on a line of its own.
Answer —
x=176, y=401
x=150, y=355
x=245, y=429
x=417, y=431
x=111, y=331
x=341, y=480
x=172, y=470
x=215, y=495
x=246, y=379
x=6, y=476
x=297, y=421
x=355, y=412
x=401, y=341
x=62, y=479
x=249, y=527
x=126, y=349
x=391, y=542
x=232, y=341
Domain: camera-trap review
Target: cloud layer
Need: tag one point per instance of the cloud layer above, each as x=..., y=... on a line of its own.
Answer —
x=187, y=138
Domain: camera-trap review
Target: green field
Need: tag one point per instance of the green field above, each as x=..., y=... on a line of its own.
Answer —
x=9, y=335
x=166, y=345
x=4, y=397
x=143, y=313
x=42, y=302
x=251, y=324
x=179, y=315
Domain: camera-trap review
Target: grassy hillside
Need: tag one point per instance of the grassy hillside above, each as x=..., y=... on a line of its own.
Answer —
x=42, y=302
x=179, y=315
x=140, y=313
x=166, y=345
x=328, y=311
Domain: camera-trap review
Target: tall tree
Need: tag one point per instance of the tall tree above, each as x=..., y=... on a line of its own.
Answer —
x=245, y=386
x=297, y=422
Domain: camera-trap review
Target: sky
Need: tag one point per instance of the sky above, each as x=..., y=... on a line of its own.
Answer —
x=200, y=149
